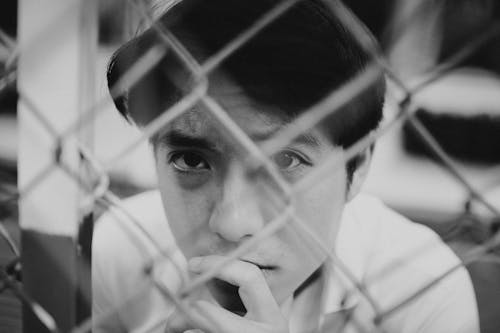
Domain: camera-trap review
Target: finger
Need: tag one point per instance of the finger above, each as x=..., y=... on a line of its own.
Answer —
x=253, y=288
x=220, y=320
x=205, y=317
x=178, y=322
x=223, y=321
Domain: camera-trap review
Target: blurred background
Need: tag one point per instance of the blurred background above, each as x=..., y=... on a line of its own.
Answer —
x=461, y=110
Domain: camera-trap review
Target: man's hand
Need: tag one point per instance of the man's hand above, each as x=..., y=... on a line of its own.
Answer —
x=263, y=313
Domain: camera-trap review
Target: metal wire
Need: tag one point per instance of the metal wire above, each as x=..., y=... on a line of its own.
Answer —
x=4, y=233
x=45, y=318
x=270, y=16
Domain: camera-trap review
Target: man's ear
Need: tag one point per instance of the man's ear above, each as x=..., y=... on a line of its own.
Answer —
x=362, y=166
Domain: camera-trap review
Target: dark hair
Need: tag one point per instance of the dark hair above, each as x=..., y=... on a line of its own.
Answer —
x=292, y=64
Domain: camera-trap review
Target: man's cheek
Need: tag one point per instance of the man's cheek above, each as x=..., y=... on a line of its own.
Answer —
x=188, y=222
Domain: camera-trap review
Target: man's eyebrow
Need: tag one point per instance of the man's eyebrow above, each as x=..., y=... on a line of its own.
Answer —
x=307, y=139
x=178, y=139
x=304, y=138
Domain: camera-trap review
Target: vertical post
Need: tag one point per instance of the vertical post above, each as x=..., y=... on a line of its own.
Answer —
x=87, y=99
x=54, y=51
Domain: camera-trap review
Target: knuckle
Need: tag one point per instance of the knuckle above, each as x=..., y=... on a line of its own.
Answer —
x=174, y=323
x=281, y=327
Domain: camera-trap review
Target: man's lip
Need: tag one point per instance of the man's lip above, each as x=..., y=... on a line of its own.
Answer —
x=261, y=266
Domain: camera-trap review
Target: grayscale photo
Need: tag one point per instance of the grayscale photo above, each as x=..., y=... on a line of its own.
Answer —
x=250, y=166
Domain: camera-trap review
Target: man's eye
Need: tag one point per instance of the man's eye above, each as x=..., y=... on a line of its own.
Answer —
x=288, y=160
x=189, y=161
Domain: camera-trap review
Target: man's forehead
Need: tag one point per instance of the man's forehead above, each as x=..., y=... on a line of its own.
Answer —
x=196, y=128
x=193, y=122
x=254, y=120
x=259, y=121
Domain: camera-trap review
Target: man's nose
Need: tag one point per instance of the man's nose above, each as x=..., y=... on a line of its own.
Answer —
x=239, y=210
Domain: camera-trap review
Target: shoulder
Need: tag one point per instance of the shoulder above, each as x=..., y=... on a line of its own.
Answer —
x=126, y=240
x=383, y=238
x=399, y=258
x=388, y=236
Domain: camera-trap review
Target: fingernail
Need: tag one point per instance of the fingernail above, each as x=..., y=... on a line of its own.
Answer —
x=194, y=263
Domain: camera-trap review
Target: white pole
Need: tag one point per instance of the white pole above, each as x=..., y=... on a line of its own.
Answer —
x=56, y=45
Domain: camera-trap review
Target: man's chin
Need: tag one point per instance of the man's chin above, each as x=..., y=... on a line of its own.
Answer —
x=227, y=296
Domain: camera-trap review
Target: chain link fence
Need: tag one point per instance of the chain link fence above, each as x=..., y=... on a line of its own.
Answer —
x=408, y=24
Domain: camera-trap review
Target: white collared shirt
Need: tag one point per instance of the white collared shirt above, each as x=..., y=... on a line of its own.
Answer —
x=390, y=255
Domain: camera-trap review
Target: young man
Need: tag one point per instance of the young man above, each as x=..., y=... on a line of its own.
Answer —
x=214, y=201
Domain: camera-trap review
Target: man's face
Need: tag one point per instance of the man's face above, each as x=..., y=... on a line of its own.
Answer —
x=213, y=203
